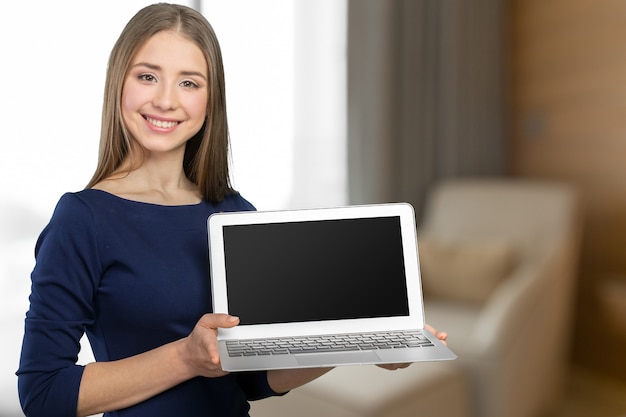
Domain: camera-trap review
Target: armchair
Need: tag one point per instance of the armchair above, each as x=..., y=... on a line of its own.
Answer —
x=499, y=259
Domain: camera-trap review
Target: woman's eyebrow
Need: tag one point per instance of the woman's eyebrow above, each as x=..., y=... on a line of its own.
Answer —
x=193, y=73
x=158, y=68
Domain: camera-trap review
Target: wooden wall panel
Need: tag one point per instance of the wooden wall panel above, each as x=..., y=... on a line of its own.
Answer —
x=568, y=121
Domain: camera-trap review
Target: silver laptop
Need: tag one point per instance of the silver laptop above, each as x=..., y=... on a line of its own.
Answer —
x=320, y=287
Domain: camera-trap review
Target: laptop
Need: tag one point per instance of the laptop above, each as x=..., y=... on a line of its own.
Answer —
x=319, y=287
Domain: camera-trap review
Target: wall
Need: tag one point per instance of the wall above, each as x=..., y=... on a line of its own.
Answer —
x=568, y=121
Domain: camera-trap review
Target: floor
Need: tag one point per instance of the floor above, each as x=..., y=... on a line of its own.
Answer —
x=590, y=395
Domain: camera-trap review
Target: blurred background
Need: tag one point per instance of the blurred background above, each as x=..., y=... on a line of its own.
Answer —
x=337, y=102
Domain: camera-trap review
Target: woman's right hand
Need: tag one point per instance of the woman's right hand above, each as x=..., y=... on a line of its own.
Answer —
x=200, y=352
x=112, y=385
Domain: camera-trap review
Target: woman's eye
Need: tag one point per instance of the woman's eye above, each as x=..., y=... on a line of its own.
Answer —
x=147, y=77
x=189, y=84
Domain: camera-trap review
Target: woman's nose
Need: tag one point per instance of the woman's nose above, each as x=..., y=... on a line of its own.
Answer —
x=165, y=97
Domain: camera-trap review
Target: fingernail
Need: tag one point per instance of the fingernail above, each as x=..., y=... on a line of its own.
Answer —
x=233, y=319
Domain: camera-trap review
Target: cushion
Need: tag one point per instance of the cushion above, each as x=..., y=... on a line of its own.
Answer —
x=464, y=271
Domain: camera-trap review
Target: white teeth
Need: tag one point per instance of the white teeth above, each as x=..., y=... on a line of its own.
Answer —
x=161, y=123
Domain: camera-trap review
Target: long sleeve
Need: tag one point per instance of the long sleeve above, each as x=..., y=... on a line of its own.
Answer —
x=63, y=286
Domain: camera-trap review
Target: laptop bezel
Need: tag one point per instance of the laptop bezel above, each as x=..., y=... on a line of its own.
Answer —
x=406, y=214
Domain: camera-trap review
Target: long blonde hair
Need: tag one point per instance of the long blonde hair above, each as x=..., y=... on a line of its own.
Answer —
x=207, y=152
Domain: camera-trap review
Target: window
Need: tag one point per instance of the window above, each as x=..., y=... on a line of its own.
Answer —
x=285, y=84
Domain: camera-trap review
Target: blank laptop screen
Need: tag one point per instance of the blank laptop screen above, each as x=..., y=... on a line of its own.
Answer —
x=315, y=270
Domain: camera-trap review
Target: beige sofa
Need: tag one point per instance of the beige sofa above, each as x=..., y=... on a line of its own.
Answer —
x=499, y=260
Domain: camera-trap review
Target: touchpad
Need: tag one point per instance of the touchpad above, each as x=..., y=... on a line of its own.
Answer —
x=330, y=359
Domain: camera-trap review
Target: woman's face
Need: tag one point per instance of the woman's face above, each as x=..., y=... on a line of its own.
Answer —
x=165, y=93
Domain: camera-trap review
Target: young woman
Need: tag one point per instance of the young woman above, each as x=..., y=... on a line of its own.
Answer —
x=125, y=260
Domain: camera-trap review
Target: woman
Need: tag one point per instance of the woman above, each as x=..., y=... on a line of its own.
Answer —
x=125, y=260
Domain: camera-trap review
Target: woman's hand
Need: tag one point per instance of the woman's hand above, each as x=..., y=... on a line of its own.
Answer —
x=113, y=385
x=200, y=351
x=443, y=336
x=440, y=335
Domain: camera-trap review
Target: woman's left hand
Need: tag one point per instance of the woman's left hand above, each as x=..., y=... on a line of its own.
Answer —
x=393, y=366
x=440, y=335
x=443, y=336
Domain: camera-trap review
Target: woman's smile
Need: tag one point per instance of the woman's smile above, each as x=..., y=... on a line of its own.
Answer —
x=161, y=123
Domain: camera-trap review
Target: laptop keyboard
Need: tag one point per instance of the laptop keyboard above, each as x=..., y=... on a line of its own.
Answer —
x=329, y=343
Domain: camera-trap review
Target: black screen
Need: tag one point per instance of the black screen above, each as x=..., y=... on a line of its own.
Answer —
x=315, y=270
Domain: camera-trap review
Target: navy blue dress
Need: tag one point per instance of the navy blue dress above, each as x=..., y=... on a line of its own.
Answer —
x=133, y=276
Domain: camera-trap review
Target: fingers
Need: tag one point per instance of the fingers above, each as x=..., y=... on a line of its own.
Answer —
x=202, y=351
x=220, y=320
x=212, y=322
x=393, y=366
x=443, y=336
